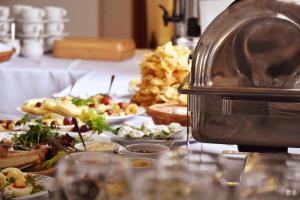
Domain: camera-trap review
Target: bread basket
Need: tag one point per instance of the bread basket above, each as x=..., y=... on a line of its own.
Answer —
x=160, y=116
x=6, y=55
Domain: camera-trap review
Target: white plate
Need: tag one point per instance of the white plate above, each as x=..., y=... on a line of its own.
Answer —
x=119, y=119
x=110, y=119
x=19, y=109
x=178, y=136
x=47, y=183
x=93, y=137
x=6, y=135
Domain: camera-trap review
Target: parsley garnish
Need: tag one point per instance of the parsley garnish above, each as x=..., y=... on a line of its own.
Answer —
x=95, y=121
x=10, y=181
x=81, y=102
x=23, y=121
x=37, y=134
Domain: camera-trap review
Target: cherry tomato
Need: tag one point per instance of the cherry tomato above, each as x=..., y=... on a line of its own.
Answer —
x=105, y=100
x=18, y=186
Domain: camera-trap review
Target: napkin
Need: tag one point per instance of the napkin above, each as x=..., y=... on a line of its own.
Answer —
x=4, y=48
x=95, y=82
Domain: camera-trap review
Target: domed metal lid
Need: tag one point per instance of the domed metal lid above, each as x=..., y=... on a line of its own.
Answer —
x=252, y=48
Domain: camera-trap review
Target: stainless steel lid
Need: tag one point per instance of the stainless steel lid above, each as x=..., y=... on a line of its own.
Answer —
x=252, y=48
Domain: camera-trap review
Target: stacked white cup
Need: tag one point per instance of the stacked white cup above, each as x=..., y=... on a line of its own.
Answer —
x=30, y=28
x=4, y=21
x=33, y=26
x=7, y=30
x=55, y=25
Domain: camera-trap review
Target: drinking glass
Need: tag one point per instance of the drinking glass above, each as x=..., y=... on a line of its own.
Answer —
x=194, y=162
x=169, y=186
x=93, y=175
x=272, y=177
x=184, y=174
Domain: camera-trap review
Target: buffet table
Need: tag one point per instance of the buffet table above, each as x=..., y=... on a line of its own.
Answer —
x=23, y=78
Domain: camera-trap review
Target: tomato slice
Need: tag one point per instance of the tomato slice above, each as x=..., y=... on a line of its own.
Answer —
x=17, y=186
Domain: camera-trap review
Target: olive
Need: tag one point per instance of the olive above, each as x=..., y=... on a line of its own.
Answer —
x=84, y=128
x=54, y=124
x=38, y=104
x=109, y=111
x=92, y=105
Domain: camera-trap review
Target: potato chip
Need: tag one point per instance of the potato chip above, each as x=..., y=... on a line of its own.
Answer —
x=162, y=71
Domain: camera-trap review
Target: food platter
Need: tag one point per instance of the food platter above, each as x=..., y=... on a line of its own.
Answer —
x=170, y=141
x=88, y=136
x=46, y=182
x=19, y=185
x=119, y=119
x=101, y=146
x=110, y=119
x=166, y=140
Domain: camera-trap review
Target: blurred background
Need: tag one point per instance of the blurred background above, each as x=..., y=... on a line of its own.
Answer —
x=141, y=20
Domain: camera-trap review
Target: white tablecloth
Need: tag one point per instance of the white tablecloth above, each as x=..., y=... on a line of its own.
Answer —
x=22, y=78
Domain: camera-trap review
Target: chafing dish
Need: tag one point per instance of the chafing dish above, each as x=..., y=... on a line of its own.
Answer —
x=244, y=85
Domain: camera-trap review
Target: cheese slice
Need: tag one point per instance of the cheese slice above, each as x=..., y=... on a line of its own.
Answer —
x=30, y=107
x=62, y=107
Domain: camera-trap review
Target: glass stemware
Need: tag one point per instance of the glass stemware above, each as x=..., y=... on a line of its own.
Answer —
x=94, y=176
x=274, y=177
x=184, y=175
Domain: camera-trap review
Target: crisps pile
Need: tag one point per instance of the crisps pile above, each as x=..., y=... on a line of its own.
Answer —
x=162, y=72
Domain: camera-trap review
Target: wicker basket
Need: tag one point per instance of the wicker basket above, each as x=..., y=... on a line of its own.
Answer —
x=161, y=117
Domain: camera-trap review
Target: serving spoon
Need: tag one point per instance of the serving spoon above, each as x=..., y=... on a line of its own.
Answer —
x=75, y=122
x=13, y=32
x=110, y=85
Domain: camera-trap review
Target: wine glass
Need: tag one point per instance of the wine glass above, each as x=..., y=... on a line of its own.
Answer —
x=94, y=175
x=183, y=174
x=274, y=177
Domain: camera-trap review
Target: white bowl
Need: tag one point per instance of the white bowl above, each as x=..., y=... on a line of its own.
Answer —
x=145, y=150
x=114, y=146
